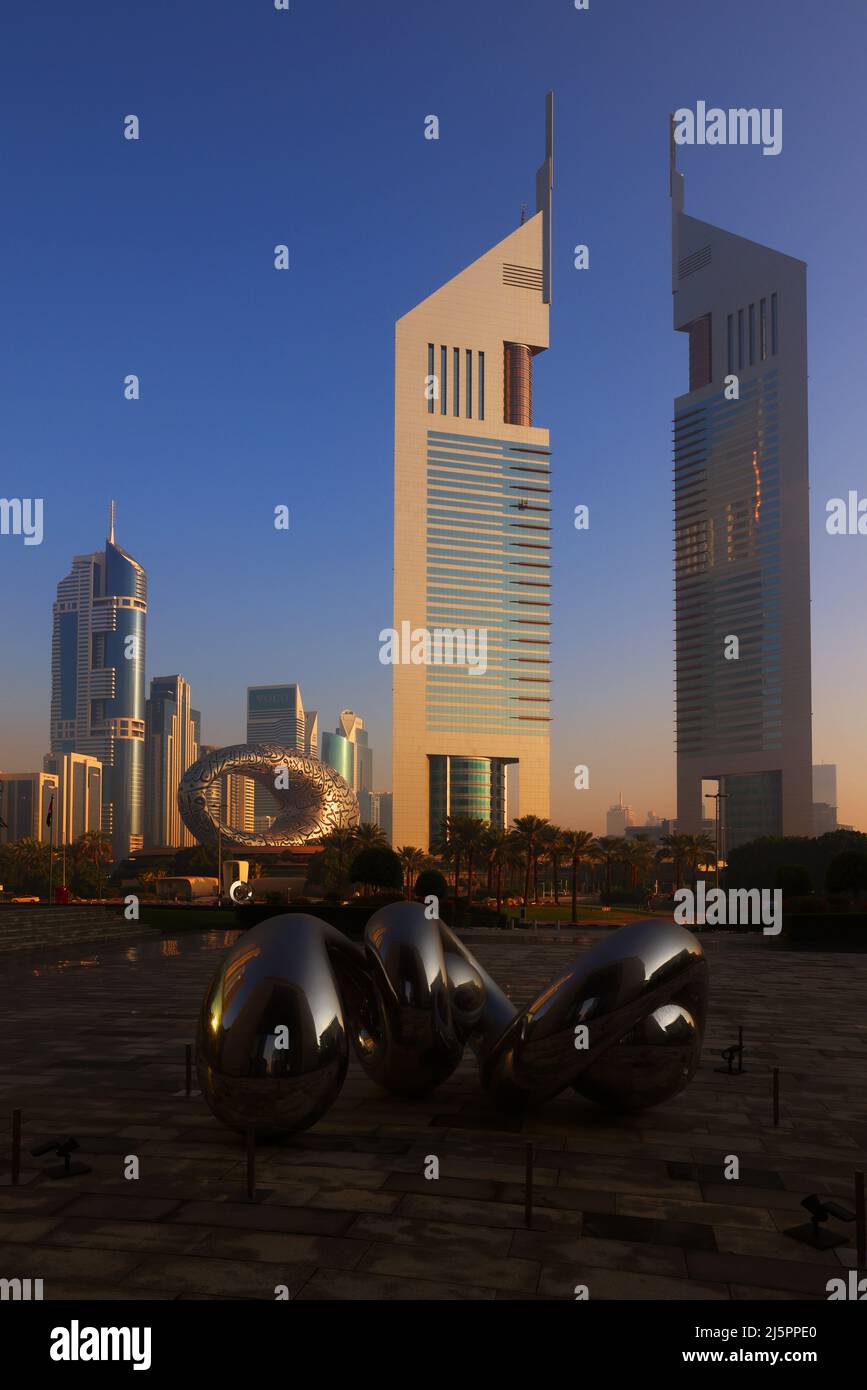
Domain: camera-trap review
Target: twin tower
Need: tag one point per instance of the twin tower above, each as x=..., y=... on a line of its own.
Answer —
x=472, y=535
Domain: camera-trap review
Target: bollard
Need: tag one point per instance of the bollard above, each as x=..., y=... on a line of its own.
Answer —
x=251, y=1164
x=16, y=1146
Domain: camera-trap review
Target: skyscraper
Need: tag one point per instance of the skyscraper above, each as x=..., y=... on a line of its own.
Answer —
x=824, y=798
x=617, y=818
x=348, y=751
x=171, y=745
x=471, y=536
x=25, y=799
x=97, y=680
x=742, y=555
x=79, y=794
x=275, y=714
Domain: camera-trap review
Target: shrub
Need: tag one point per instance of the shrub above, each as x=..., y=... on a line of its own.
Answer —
x=431, y=883
x=847, y=872
x=377, y=866
x=793, y=880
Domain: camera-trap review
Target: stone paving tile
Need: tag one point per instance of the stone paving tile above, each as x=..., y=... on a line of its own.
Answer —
x=367, y=1287
x=482, y=1271
x=244, y=1278
x=628, y=1204
x=759, y=1270
x=462, y=1238
x=263, y=1216
x=555, y=1247
x=98, y=1036
x=505, y=1215
x=559, y=1282
x=49, y=1262
x=126, y=1235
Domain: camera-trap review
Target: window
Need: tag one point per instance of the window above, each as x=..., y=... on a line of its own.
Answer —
x=700, y=364
x=456, y=384
x=481, y=386
x=469, y=376
x=740, y=339
x=731, y=343
x=775, y=325
x=444, y=380
x=763, y=328
x=752, y=334
x=430, y=379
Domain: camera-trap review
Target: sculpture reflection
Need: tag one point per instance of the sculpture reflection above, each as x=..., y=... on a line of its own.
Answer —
x=623, y=1025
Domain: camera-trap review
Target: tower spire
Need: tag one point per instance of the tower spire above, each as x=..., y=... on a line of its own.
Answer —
x=112, y=515
x=544, y=185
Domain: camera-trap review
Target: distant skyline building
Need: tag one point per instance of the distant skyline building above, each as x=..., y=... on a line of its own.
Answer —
x=617, y=818
x=98, y=680
x=79, y=799
x=25, y=799
x=472, y=537
x=171, y=745
x=348, y=751
x=230, y=798
x=311, y=733
x=375, y=809
x=824, y=798
x=275, y=714
x=742, y=551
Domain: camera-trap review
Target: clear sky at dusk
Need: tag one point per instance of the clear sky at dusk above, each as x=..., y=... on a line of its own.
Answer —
x=258, y=388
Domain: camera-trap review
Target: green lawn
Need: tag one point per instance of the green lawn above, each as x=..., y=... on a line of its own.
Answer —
x=586, y=912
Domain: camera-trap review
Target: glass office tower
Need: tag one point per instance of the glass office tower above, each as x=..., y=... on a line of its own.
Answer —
x=742, y=552
x=472, y=535
x=275, y=714
x=97, y=680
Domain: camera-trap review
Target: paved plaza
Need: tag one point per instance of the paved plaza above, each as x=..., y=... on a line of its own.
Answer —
x=92, y=1045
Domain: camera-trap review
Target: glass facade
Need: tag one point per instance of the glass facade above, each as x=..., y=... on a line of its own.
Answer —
x=729, y=573
x=488, y=569
x=473, y=787
x=754, y=806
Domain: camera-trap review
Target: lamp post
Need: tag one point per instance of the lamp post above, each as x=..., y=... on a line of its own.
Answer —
x=718, y=797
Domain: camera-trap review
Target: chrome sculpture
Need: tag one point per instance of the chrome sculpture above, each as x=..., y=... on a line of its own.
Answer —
x=623, y=1025
x=313, y=798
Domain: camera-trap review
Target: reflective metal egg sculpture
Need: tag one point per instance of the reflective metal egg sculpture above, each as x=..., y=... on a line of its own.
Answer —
x=623, y=1025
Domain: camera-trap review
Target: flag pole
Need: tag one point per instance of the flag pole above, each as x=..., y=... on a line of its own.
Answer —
x=50, y=847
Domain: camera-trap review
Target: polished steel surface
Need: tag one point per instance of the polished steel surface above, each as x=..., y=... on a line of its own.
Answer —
x=641, y=994
x=313, y=798
x=623, y=1025
x=278, y=975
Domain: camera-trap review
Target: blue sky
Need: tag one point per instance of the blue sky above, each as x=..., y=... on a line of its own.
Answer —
x=260, y=388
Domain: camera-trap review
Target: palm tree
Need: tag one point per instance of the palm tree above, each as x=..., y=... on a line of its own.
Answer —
x=529, y=831
x=473, y=832
x=449, y=847
x=412, y=861
x=30, y=858
x=93, y=847
x=611, y=851
x=580, y=846
x=639, y=855
x=498, y=847
x=369, y=836
x=341, y=842
x=674, y=848
x=700, y=850
x=553, y=847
